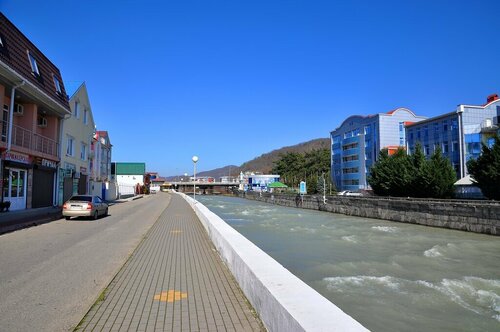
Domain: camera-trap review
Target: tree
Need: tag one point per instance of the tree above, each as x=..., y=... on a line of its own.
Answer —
x=295, y=167
x=485, y=170
x=404, y=175
x=312, y=184
x=322, y=186
x=442, y=176
x=380, y=174
x=421, y=173
x=289, y=167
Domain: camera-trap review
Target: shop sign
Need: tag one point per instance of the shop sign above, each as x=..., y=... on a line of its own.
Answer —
x=83, y=170
x=49, y=163
x=17, y=157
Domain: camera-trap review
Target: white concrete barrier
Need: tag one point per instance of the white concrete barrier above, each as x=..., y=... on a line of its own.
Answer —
x=283, y=301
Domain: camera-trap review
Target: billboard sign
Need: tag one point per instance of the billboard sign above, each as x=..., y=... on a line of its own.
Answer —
x=302, y=188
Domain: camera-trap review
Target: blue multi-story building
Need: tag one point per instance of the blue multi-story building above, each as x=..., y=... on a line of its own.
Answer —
x=355, y=145
x=459, y=134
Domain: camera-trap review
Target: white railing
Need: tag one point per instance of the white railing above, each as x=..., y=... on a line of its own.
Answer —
x=27, y=139
x=125, y=190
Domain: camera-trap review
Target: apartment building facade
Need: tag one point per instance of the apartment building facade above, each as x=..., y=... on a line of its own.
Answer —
x=459, y=134
x=100, y=164
x=77, y=136
x=356, y=143
x=34, y=101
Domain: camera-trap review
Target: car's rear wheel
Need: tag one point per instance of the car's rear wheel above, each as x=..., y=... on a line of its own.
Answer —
x=96, y=215
x=106, y=212
x=68, y=218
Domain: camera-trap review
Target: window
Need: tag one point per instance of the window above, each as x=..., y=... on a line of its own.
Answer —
x=77, y=110
x=350, y=170
x=3, y=46
x=368, y=130
x=427, y=151
x=58, y=85
x=454, y=146
x=454, y=124
x=445, y=147
x=83, y=151
x=350, y=158
x=445, y=125
x=34, y=66
x=350, y=146
x=85, y=116
x=5, y=119
x=69, y=146
x=402, y=133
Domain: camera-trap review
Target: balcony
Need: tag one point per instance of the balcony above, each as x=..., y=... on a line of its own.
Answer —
x=350, y=152
x=29, y=141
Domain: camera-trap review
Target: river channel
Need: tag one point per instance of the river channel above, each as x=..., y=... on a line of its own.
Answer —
x=389, y=276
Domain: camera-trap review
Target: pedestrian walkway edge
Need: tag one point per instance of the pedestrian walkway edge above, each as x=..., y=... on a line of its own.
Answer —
x=283, y=301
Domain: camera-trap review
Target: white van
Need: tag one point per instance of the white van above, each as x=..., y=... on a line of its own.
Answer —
x=154, y=188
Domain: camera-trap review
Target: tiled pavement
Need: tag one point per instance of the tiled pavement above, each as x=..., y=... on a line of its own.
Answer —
x=174, y=281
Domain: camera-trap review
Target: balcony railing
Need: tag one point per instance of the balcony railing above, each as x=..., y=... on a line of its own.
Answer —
x=25, y=138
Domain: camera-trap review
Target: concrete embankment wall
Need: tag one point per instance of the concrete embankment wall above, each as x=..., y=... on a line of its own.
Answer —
x=472, y=216
x=283, y=301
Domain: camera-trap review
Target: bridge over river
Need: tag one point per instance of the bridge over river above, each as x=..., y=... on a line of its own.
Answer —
x=389, y=276
x=202, y=188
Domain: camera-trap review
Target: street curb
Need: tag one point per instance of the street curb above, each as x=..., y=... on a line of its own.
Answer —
x=29, y=221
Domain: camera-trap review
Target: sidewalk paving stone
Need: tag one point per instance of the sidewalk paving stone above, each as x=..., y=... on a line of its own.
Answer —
x=174, y=281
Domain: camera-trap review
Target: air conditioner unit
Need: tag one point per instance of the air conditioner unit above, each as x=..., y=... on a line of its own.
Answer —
x=42, y=122
x=18, y=109
x=77, y=175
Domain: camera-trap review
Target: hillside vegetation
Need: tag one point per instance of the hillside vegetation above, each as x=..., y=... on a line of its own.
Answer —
x=265, y=162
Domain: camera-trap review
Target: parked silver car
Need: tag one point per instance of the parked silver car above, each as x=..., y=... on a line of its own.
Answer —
x=85, y=206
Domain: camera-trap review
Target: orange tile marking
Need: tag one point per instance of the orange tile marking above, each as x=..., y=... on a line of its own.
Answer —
x=170, y=296
x=176, y=231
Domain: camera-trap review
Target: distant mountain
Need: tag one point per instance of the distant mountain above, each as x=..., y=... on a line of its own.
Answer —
x=264, y=163
x=223, y=171
x=216, y=173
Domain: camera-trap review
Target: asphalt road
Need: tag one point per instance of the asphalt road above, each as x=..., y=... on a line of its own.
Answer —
x=50, y=275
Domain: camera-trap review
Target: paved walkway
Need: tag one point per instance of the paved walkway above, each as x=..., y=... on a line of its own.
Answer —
x=174, y=281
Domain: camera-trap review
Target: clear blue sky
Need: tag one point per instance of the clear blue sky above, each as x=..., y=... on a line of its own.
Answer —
x=230, y=80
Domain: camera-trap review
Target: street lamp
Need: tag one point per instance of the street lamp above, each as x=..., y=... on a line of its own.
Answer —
x=324, y=188
x=185, y=176
x=195, y=160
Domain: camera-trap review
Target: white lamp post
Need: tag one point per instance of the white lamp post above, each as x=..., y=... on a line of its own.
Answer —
x=195, y=159
x=185, y=175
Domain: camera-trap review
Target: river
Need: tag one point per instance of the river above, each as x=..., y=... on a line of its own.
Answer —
x=389, y=276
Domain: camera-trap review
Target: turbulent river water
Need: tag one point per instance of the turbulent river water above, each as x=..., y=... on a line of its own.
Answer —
x=389, y=276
